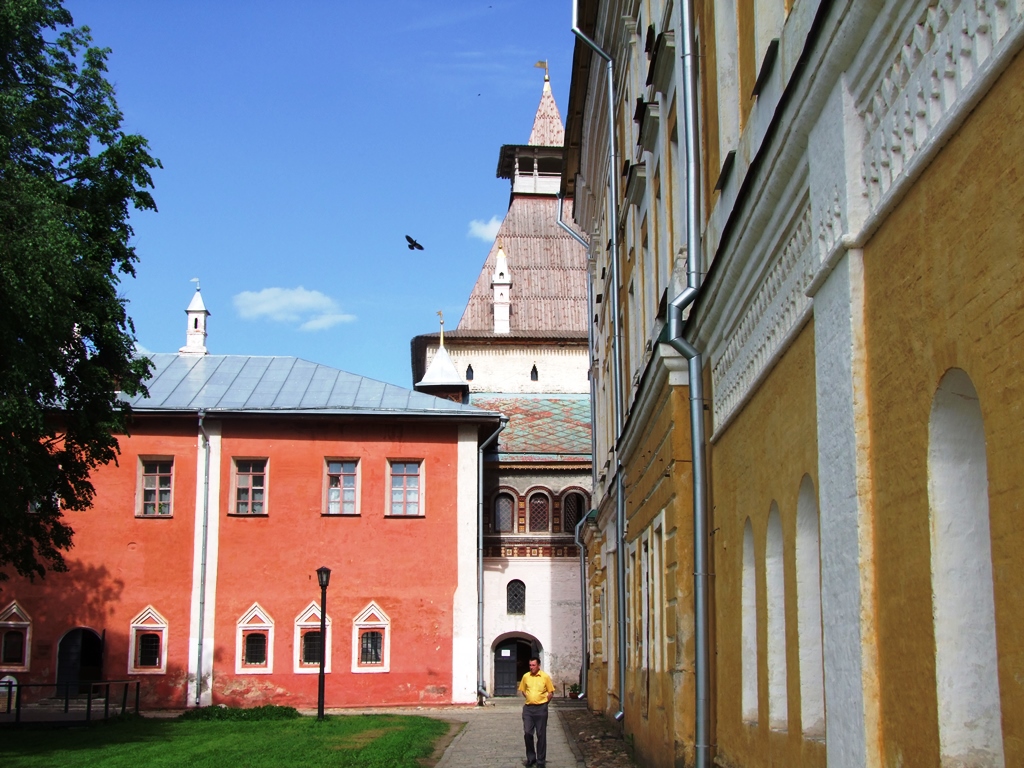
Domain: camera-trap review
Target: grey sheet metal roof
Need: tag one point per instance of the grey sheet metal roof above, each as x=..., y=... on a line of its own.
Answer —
x=243, y=384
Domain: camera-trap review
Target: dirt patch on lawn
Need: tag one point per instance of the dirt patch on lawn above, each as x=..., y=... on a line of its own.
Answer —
x=361, y=739
x=454, y=728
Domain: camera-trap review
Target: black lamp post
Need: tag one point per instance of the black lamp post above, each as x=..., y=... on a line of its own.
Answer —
x=323, y=575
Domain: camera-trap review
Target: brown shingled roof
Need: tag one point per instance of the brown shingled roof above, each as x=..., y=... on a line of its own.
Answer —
x=548, y=270
x=547, y=124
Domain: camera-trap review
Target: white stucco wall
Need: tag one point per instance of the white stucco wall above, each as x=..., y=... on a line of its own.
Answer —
x=552, y=613
x=560, y=370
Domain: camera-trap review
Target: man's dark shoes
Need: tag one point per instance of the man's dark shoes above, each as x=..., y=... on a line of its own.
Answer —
x=529, y=763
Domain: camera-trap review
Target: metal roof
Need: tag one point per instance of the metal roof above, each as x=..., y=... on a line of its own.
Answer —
x=246, y=384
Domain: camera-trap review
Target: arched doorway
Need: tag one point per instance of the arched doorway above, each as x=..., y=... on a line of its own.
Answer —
x=511, y=662
x=79, y=661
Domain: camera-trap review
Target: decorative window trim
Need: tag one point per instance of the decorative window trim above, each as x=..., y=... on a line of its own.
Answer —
x=140, y=486
x=371, y=618
x=421, y=487
x=309, y=620
x=14, y=617
x=254, y=620
x=148, y=621
x=233, y=501
x=494, y=510
x=326, y=508
x=544, y=492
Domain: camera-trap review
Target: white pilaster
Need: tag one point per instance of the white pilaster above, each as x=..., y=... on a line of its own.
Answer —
x=204, y=600
x=847, y=525
x=464, y=602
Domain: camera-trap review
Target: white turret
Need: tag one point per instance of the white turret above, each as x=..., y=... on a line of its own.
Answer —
x=195, y=336
x=501, y=283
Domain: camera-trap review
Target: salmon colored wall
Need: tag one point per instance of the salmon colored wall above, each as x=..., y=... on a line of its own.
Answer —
x=944, y=282
x=760, y=458
x=120, y=564
x=407, y=565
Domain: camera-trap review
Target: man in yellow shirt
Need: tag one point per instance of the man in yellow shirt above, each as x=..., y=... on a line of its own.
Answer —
x=537, y=688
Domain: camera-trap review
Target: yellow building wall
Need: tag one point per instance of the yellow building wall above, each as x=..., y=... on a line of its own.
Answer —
x=760, y=458
x=945, y=288
x=660, y=700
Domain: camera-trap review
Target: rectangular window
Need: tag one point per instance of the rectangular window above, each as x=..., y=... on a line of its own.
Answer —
x=371, y=646
x=250, y=486
x=342, y=493
x=311, y=647
x=156, y=484
x=255, y=649
x=14, y=648
x=148, y=654
x=405, y=489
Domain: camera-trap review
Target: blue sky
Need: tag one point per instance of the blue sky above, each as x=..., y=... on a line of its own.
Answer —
x=302, y=141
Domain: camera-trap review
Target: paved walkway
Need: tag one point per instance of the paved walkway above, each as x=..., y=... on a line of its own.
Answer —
x=493, y=738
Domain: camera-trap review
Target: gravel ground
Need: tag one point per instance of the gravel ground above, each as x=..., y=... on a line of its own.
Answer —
x=597, y=739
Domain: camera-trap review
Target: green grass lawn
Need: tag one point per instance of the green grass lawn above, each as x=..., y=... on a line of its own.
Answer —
x=366, y=741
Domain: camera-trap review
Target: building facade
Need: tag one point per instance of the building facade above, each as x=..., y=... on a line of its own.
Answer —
x=520, y=349
x=195, y=569
x=859, y=300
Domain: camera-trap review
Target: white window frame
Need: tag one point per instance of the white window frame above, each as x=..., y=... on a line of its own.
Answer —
x=148, y=621
x=309, y=619
x=254, y=620
x=140, y=493
x=233, y=503
x=326, y=509
x=421, y=496
x=371, y=618
x=15, y=617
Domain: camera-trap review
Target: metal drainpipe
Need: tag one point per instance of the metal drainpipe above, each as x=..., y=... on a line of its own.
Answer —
x=481, y=687
x=584, y=598
x=613, y=224
x=694, y=358
x=202, y=565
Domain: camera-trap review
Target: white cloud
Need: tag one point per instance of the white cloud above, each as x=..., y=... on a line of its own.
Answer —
x=484, y=230
x=312, y=310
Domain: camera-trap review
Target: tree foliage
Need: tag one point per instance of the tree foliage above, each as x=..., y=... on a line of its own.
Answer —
x=69, y=177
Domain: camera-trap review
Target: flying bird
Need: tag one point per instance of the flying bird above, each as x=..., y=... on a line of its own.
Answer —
x=413, y=245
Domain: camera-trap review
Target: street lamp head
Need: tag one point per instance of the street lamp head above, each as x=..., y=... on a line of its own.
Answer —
x=323, y=575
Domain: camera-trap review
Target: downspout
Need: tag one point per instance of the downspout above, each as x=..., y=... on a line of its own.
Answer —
x=695, y=360
x=613, y=225
x=481, y=687
x=202, y=564
x=584, y=598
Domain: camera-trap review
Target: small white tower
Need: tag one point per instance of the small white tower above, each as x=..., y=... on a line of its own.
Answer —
x=501, y=283
x=195, y=336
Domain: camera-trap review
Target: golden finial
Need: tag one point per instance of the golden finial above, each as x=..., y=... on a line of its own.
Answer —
x=441, y=315
x=543, y=64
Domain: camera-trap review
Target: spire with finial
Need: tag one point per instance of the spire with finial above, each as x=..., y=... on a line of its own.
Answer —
x=195, y=334
x=440, y=314
x=547, y=124
x=501, y=284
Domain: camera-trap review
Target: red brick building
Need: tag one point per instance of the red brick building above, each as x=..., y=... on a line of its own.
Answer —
x=194, y=571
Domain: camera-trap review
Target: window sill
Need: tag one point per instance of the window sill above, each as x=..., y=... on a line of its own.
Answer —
x=248, y=514
x=154, y=517
x=340, y=514
x=404, y=517
x=368, y=669
x=147, y=671
x=256, y=670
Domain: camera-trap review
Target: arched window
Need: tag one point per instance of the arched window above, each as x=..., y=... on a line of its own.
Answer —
x=504, y=508
x=572, y=507
x=748, y=630
x=533, y=374
x=469, y=373
x=515, y=596
x=963, y=601
x=808, y=612
x=540, y=508
x=778, y=715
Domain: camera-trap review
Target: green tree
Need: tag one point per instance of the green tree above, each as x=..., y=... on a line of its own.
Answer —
x=69, y=177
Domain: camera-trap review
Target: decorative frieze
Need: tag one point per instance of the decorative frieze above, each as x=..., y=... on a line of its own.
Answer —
x=924, y=87
x=774, y=311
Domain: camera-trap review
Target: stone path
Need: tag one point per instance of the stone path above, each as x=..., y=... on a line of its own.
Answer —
x=493, y=738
